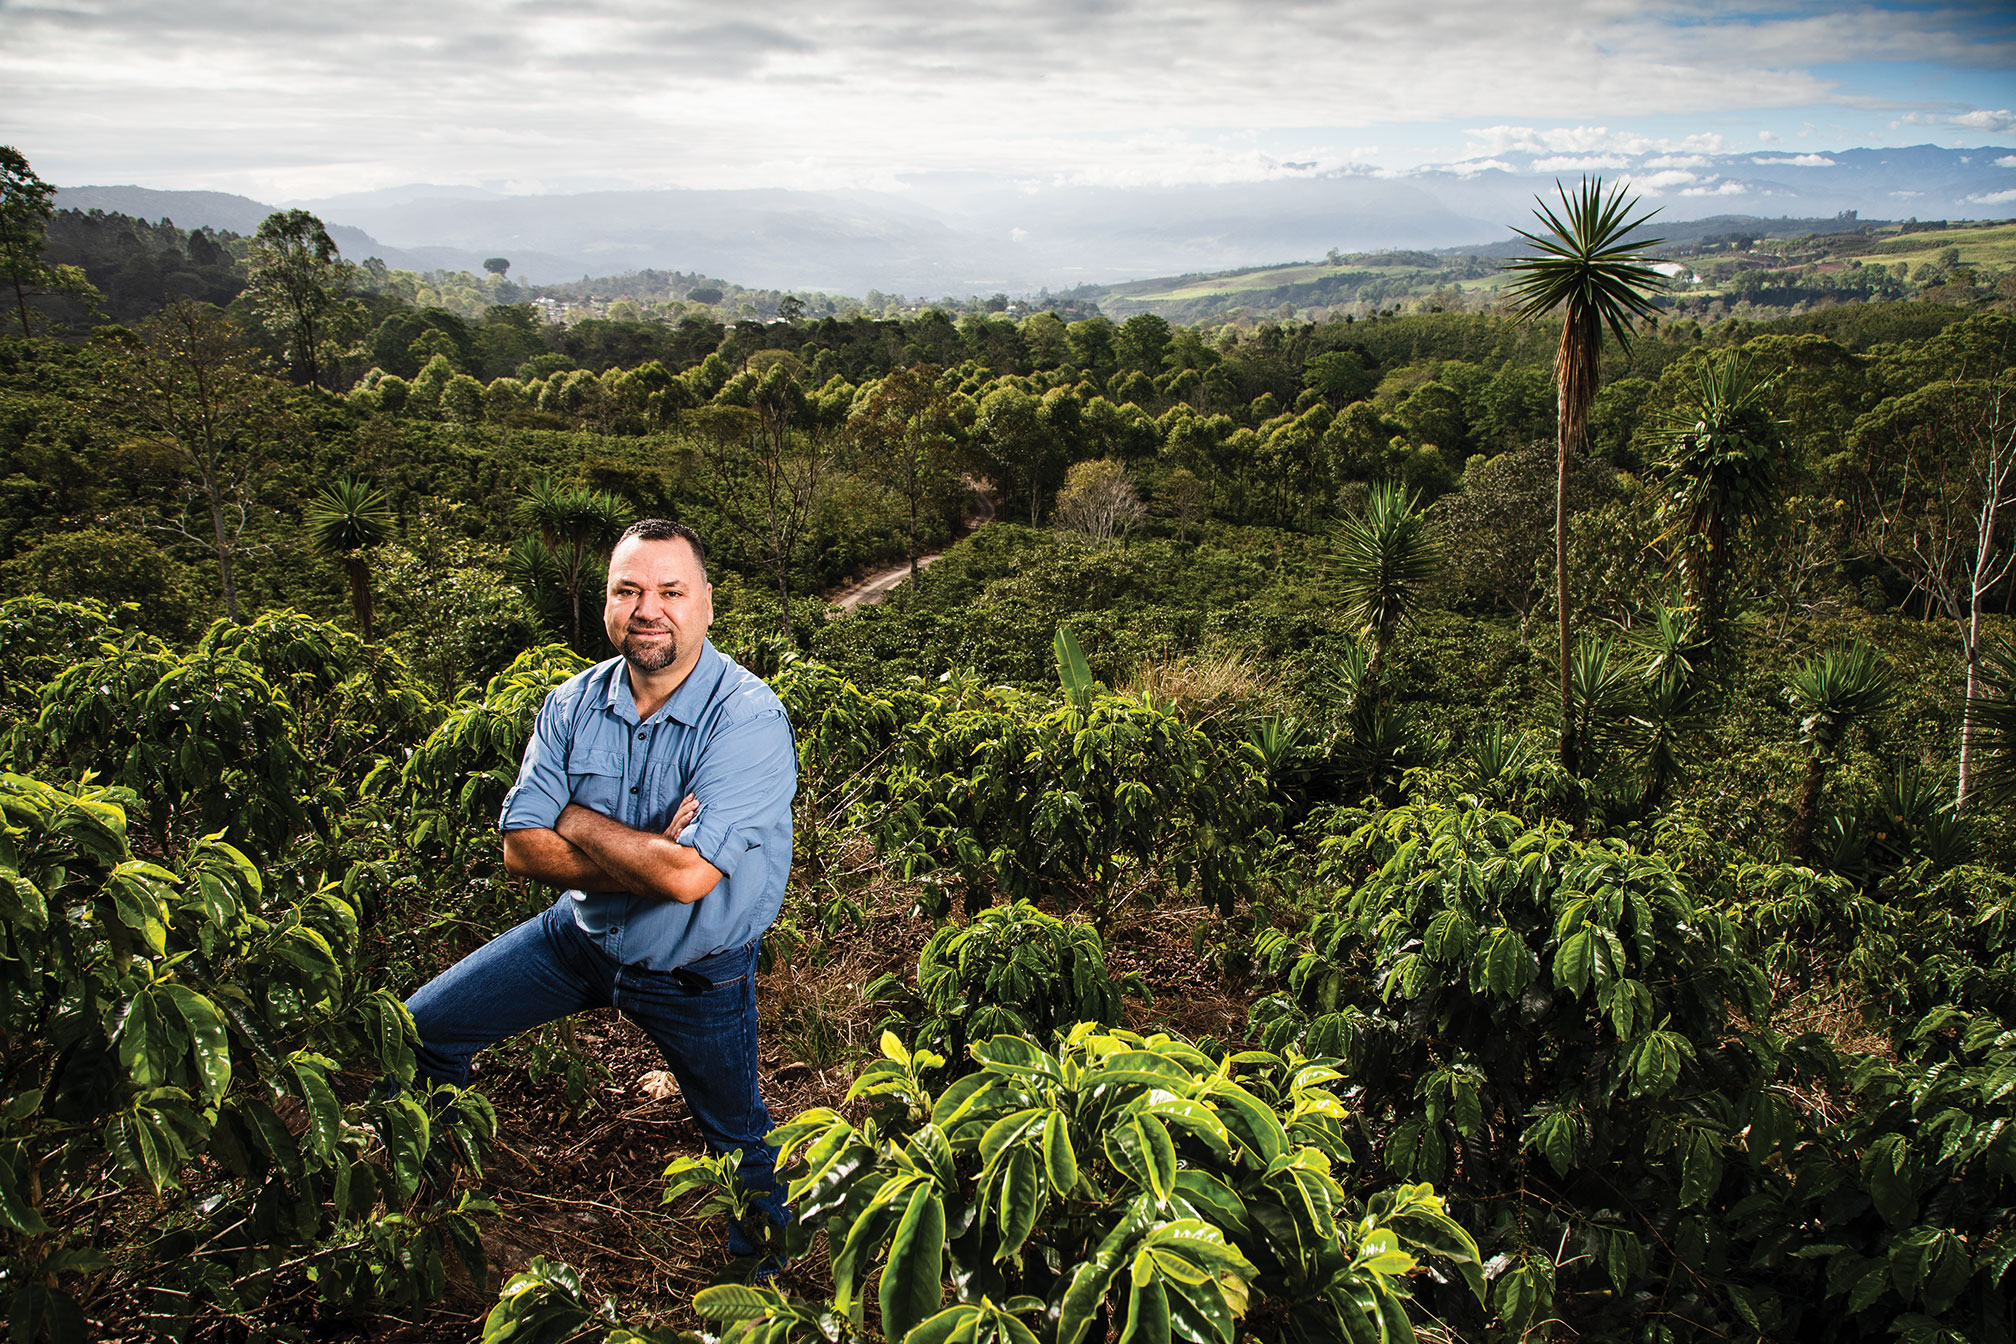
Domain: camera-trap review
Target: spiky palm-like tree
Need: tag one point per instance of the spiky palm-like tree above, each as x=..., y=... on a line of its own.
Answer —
x=1831, y=692
x=1723, y=451
x=1672, y=699
x=1600, y=698
x=346, y=519
x=1594, y=271
x=1385, y=559
x=576, y=524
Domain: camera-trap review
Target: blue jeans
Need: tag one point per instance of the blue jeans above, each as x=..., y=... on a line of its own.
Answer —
x=547, y=968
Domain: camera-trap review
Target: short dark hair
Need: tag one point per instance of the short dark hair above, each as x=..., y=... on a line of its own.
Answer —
x=663, y=529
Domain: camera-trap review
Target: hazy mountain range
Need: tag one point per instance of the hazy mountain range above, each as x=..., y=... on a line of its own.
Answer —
x=970, y=233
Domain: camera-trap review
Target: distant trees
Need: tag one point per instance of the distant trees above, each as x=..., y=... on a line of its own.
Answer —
x=1938, y=477
x=1013, y=443
x=905, y=435
x=1098, y=501
x=763, y=472
x=497, y=265
x=26, y=202
x=298, y=282
x=1593, y=270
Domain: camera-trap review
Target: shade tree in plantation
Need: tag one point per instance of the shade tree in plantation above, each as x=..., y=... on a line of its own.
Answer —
x=298, y=282
x=187, y=380
x=1831, y=692
x=1592, y=268
x=1386, y=558
x=1099, y=501
x=575, y=526
x=906, y=436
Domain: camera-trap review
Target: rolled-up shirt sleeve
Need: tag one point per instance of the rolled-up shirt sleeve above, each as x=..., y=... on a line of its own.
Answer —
x=541, y=793
x=745, y=782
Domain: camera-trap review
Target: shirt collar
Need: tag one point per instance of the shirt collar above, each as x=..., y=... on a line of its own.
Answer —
x=686, y=704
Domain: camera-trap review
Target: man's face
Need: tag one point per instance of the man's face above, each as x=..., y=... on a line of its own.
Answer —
x=658, y=606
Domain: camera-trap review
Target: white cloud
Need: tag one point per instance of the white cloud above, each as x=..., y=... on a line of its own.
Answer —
x=2006, y=161
x=1658, y=184
x=1905, y=195
x=1994, y=197
x=1728, y=186
x=1677, y=161
x=1796, y=160
x=1476, y=166
x=1564, y=140
x=1768, y=137
x=1580, y=163
x=1995, y=123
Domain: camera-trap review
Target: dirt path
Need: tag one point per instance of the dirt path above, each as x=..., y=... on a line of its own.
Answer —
x=876, y=586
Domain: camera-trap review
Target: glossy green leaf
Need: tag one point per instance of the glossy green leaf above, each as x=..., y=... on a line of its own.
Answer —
x=911, y=1281
x=405, y=1129
x=1060, y=1160
x=1140, y=1146
x=325, y=1113
x=1018, y=1203
x=209, y=1046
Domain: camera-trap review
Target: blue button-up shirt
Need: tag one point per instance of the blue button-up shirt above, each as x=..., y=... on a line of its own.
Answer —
x=721, y=736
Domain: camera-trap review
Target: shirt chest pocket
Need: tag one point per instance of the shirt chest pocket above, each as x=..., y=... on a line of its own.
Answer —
x=595, y=780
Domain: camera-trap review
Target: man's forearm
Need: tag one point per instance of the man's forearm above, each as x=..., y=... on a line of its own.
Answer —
x=544, y=855
x=644, y=863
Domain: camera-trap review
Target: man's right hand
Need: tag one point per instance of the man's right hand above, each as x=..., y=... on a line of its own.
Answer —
x=682, y=816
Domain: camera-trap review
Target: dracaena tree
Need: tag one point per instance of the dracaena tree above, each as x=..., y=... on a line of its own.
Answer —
x=1723, y=454
x=1591, y=268
x=1831, y=692
x=1386, y=557
x=346, y=519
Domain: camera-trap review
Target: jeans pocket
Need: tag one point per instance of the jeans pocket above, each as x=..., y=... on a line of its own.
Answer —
x=723, y=970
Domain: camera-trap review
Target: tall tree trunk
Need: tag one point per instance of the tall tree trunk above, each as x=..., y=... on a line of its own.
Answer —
x=1799, y=840
x=784, y=595
x=21, y=297
x=1575, y=385
x=225, y=577
x=1711, y=576
x=1980, y=582
x=360, y=593
x=913, y=536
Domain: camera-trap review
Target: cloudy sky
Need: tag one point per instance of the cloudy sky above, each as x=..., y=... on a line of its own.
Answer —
x=288, y=101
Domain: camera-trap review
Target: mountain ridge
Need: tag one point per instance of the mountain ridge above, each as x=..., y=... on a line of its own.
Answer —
x=974, y=234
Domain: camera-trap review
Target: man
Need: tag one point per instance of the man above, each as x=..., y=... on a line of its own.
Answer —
x=656, y=792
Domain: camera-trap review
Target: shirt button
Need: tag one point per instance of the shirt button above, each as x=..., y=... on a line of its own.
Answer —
x=633, y=788
x=640, y=737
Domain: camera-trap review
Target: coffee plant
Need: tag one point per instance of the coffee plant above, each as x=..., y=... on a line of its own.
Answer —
x=1011, y=970
x=1120, y=1182
x=161, y=1023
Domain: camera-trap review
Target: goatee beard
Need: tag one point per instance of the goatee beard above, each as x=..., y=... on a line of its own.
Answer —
x=650, y=659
